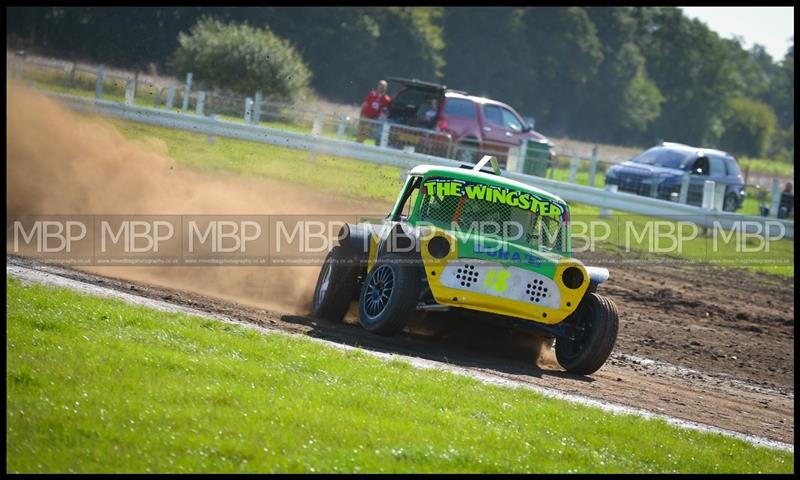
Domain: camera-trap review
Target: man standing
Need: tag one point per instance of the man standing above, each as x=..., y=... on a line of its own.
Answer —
x=376, y=102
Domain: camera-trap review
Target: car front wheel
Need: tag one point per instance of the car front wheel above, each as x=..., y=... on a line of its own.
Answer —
x=389, y=296
x=593, y=334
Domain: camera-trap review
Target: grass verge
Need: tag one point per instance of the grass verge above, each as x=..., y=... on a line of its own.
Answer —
x=96, y=385
x=355, y=179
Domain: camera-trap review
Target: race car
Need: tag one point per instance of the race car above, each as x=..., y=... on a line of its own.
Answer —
x=469, y=239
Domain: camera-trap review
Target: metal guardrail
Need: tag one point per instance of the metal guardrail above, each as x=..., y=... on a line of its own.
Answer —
x=602, y=198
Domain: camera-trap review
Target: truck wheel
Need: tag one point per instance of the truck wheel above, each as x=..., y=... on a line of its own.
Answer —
x=388, y=296
x=729, y=204
x=467, y=152
x=335, y=283
x=595, y=325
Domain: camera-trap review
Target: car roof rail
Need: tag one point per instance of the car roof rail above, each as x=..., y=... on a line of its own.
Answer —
x=487, y=164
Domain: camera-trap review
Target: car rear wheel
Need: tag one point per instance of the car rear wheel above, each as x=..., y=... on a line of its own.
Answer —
x=594, y=329
x=334, y=291
x=388, y=296
x=730, y=203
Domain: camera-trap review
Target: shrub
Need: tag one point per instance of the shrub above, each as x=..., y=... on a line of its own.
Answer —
x=748, y=128
x=241, y=59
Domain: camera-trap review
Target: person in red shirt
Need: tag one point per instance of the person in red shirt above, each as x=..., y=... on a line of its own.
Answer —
x=374, y=105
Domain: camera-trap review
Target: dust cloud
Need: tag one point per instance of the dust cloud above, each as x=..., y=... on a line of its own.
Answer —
x=62, y=163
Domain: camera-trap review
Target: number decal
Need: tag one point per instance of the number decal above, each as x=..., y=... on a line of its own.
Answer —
x=496, y=280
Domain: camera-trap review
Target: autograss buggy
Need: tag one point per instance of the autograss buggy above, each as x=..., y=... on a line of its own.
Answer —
x=476, y=241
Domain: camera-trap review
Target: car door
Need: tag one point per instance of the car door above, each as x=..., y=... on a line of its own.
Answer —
x=501, y=126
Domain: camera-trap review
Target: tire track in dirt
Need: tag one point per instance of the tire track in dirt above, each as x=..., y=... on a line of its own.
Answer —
x=727, y=402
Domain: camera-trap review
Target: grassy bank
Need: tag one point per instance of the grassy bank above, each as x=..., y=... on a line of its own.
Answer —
x=361, y=181
x=95, y=385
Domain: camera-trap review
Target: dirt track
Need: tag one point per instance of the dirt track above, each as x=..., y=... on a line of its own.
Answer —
x=670, y=357
x=735, y=332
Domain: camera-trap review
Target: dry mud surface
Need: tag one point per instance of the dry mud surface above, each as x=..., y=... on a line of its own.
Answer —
x=696, y=343
x=732, y=369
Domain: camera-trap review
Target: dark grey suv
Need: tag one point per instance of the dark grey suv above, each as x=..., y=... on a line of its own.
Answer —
x=659, y=172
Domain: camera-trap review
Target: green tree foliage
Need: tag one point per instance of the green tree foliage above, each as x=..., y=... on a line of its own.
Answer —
x=563, y=55
x=625, y=75
x=242, y=59
x=781, y=90
x=749, y=128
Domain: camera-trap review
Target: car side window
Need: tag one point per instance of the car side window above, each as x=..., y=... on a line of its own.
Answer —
x=493, y=114
x=716, y=166
x=457, y=107
x=700, y=166
x=732, y=167
x=510, y=121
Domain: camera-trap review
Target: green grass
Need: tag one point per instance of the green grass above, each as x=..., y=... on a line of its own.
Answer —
x=350, y=179
x=96, y=385
x=767, y=166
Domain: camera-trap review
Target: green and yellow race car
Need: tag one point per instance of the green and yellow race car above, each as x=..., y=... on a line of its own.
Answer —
x=471, y=239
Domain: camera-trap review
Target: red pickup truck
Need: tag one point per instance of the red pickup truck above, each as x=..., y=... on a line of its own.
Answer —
x=470, y=126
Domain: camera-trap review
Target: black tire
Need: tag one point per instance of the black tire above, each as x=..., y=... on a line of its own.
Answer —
x=729, y=205
x=597, y=315
x=467, y=152
x=388, y=296
x=333, y=295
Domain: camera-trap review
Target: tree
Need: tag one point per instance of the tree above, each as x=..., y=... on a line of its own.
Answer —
x=748, y=128
x=693, y=70
x=562, y=54
x=241, y=59
x=623, y=100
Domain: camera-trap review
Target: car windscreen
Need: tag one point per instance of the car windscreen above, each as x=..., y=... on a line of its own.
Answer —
x=477, y=208
x=664, y=157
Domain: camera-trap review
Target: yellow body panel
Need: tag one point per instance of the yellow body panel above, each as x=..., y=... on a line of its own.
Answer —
x=445, y=295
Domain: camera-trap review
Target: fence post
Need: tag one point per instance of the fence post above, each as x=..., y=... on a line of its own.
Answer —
x=604, y=212
x=775, y=203
x=523, y=156
x=684, y=194
x=186, y=90
x=593, y=166
x=654, y=185
x=573, y=169
x=98, y=90
x=248, y=110
x=212, y=139
x=316, y=125
x=170, y=97
x=342, y=125
x=709, y=189
x=385, y=134
x=130, y=89
x=201, y=102
x=19, y=64
x=257, y=108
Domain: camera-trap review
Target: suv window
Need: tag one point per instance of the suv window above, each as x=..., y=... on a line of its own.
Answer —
x=700, y=166
x=717, y=166
x=458, y=107
x=510, y=121
x=493, y=114
x=663, y=157
x=731, y=166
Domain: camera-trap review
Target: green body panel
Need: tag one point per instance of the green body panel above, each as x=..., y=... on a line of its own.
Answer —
x=507, y=254
x=528, y=257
